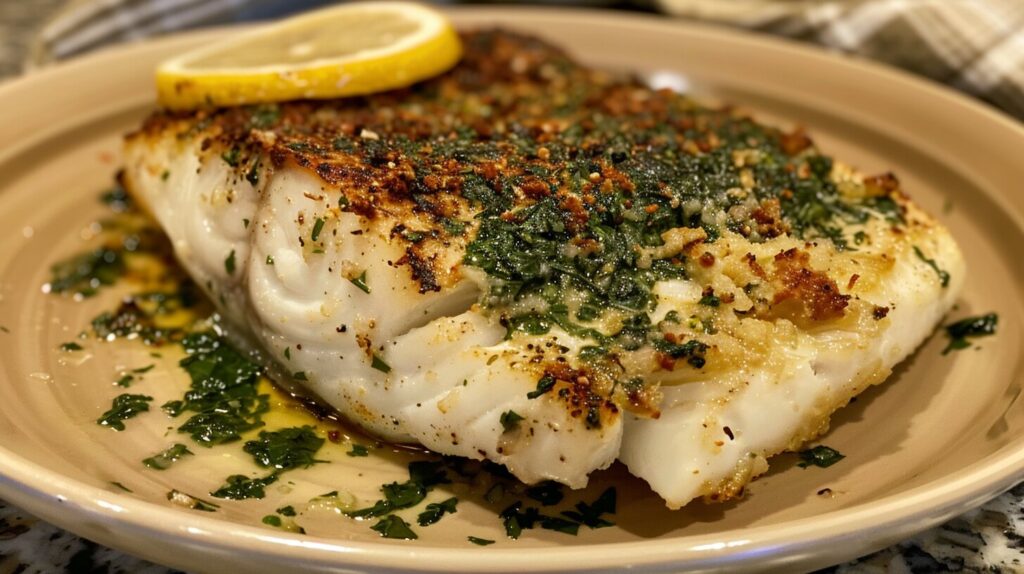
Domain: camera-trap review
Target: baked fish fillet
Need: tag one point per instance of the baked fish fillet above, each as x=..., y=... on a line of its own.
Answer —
x=539, y=264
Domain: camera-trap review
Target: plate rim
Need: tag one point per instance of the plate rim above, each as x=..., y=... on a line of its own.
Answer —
x=26, y=483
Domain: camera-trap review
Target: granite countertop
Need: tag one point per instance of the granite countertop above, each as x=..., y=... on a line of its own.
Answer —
x=988, y=539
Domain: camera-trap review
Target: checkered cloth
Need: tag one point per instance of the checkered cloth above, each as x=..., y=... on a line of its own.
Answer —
x=973, y=45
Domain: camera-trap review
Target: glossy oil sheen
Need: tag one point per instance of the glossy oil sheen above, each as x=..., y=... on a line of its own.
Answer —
x=942, y=435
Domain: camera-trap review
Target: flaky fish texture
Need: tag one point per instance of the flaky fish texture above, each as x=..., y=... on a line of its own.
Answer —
x=550, y=267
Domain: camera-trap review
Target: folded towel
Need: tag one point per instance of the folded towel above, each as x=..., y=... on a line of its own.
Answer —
x=973, y=45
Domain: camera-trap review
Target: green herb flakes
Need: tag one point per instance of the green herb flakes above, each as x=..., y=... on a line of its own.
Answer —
x=72, y=346
x=318, y=227
x=510, y=420
x=479, y=541
x=121, y=486
x=591, y=515
x=423, y=475
x=241, y=487
x=380, y=365
x=285, y=449
x=165, y=459
x=124, y=407
x=358, y=450
x=943, y=275
x=394, y=527
x=231, y=156
x=710, y=300
x=223, y=393
x=560, y=525
x=272, y=520
x=229, y=263
x=960, y=331
x=86, y=273
x=545, y=384
x=361, y=282
x=820, y=456
x=435, y=510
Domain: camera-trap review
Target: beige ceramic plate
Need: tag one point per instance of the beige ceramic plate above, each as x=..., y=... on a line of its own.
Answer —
x=943, y=435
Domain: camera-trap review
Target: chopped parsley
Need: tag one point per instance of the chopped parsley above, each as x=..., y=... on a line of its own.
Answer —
x=516, y=518
x=435, y=510
x=710, y=300
x=479, y=541
x=286, y=510
x=591, y=515
x=223, y=393
x=510, y=420
x=380, y=365
x=125, y=381
x=820, y=456
x=318, y=227
x=392, y=526
x=72, y=346
x=942, y=274
x=229, y=263
x=285, y=449
x=169, y=456
x=85, y=273
x=423, y=475
x=265, y=116
x=358, y=450
x=960, y=331
x=241, y=487
x=253, y=177
x=231, y=156
x=545, y=384
x=272, y=520
x=121, y=486
x=361, y=282
x=560, y=525
x=693, y=351
x=124, y=407
x=281, y=451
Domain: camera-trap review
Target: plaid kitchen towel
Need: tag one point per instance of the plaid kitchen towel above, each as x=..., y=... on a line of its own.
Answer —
x=973, y=45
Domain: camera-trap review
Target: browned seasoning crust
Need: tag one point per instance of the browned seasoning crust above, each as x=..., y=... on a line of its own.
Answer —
x=512, y=125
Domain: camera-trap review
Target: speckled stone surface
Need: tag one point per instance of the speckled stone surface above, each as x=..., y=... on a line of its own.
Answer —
x=989, y=539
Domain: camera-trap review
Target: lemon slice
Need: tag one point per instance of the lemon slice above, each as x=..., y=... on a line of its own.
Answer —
x=347, y=50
